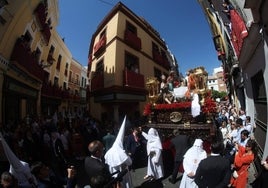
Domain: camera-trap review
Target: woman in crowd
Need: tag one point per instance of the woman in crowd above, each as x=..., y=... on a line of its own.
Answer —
x=243, y=158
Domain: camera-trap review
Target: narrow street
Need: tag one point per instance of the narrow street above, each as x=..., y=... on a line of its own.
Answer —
x=139, y=182
x=137, y=177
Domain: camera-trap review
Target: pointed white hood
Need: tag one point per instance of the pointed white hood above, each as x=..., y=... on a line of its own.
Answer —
x=18, y=168
x=116, y=155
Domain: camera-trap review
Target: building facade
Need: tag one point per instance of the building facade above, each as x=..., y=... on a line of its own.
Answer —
x=125, y=50
x=216, y=81
x=34, y=61
x=239, y=31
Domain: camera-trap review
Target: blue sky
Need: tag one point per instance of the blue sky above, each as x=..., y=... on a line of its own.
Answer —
x=181, y=23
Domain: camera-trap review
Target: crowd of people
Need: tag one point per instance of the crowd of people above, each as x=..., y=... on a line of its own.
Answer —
x=110, y=152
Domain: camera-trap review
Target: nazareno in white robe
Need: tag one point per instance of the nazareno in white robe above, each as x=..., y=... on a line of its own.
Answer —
x=117, y=159
x=154, y=152
x=191, y=160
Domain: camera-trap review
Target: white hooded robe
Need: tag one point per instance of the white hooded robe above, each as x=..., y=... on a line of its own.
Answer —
x=154, y=152
x=191, y=160
x=117, y=159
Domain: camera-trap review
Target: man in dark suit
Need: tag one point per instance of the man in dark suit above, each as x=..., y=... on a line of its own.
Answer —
x=135, y=146
x=180, y=143
x=94, y=165
x=215, y=170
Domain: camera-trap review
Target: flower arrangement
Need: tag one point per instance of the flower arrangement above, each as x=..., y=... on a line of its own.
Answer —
x=210, y=106
x=149, y=107
x=171, y=106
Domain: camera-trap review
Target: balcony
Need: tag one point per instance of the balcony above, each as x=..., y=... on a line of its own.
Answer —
x=41, y=16
x=74, y=81
x=40, y=13
x=160, y=60
x=51, y=90
x=133, y=79
x=100, y=46
x=46, y=33
x=22, y=56
x=97, y=82
x=132, y=40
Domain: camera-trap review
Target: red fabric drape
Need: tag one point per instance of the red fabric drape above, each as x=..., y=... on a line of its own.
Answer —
x=239, y=31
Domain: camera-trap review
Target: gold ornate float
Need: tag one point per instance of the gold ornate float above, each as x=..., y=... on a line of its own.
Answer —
x=177, y=114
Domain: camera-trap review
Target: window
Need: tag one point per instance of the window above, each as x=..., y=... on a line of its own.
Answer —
x=103, y=33
x=66, y=69
x=100, y=67
x=131, y=28
x=82, y=82
x=56, y=81
x=70, y=76
x=50, y=58
x=155, y=47
x=157, y=73
x=37, y=54
x=85, y=82
x=46, y=77
x=64, y=85
x=27, y=39
x=59, y=62
x=258, y=87
x=131, y=62
x=77, y=79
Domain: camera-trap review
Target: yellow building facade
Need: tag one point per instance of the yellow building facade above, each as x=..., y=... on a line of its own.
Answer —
x=34, y=61
x=125, y=50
